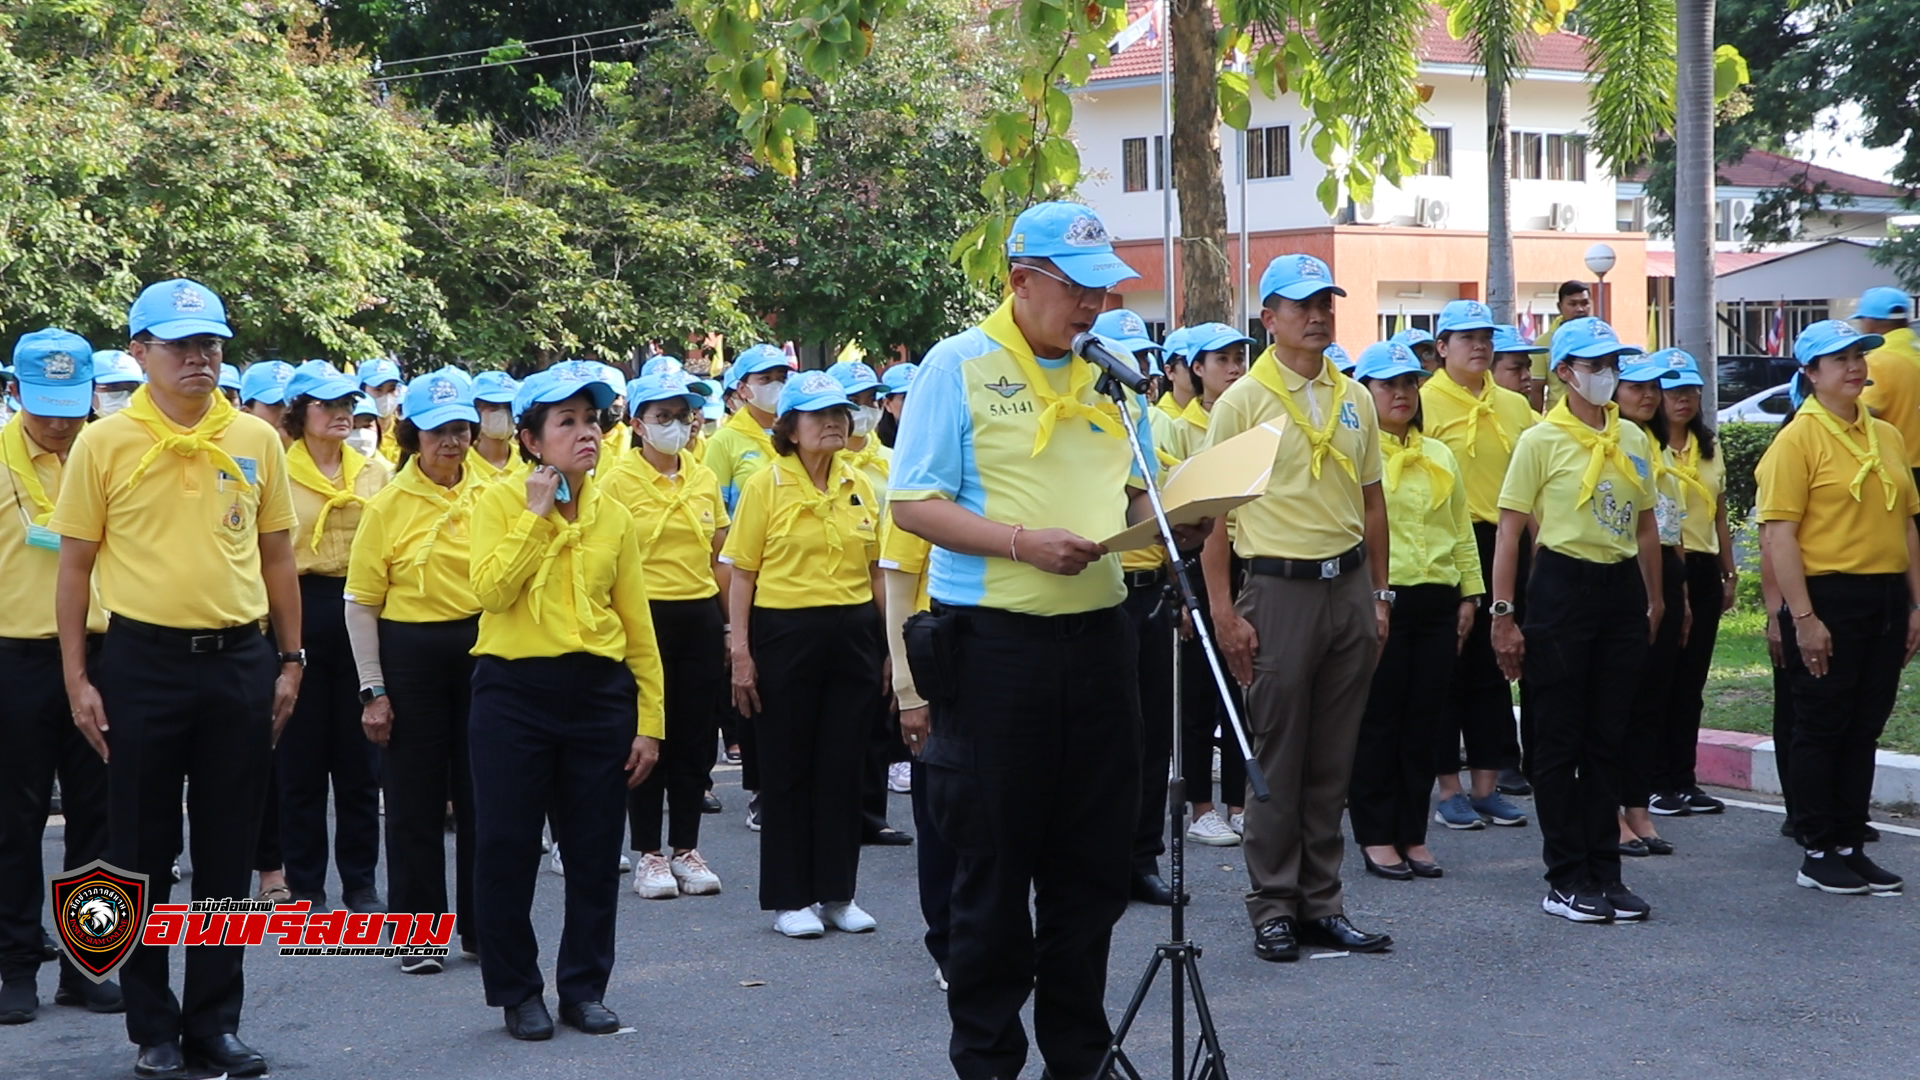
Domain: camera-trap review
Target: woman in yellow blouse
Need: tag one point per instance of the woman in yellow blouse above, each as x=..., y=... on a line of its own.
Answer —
x=682, y=521
x=413, y=619
x=1435, y=579
x=568, y=701
x=492, y=454
x=808, y=654
x=323, y=741
x=1836, y=514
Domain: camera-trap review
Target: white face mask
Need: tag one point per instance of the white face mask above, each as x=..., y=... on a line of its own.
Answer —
x=766, y=396
x=668, y=438
x=363, y=440
x=108, y=402
x=387, y=404
x=496, y=425
x=864, y=419
x=1595, y=386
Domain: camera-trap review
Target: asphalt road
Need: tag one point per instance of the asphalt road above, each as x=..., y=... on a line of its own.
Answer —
x=1738, y=974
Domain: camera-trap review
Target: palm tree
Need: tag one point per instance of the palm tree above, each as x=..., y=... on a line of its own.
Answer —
x=1693, y=208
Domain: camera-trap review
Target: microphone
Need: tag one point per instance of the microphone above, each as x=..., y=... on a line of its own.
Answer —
x=1090, y=348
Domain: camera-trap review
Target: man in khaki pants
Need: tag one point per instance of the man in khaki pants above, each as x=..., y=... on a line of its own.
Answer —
x=1306, y=629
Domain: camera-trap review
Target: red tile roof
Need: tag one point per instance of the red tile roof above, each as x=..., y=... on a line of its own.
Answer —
x=1760, y=169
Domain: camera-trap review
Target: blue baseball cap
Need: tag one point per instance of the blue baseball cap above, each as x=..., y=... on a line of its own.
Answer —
x=1679, y=368
x=364, y=406
x=761, y=357
x=1342, y=361
x=1297, y=277
x=1506, y=338
x=1463, y=315
x=665, y=386
x=229, y=377
x=54, y=368
x=441, y=397
x=1827, y=337
x=662, y=365
x=560, y=382
x=1643, y=369
x=1176, y=347
x=175, y=309
x=1126, y=327
x=1412, y=337
x=1387, y=360
x=266, y=382
x=113, y=366
x=1074, y=238
x=613, y=377
x=899, y=377
x=855, y=377
x=1588, y=338
x=494, y=387
x=319, y=380
x=1207, y=337
x=812, y=391
x=1884, y=302
x=379, y=372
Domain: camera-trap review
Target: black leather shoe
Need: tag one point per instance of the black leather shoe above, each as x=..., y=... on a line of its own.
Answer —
x=530, y=1020
x=49, y=949
x=1153, y=889
x=1657, y=845
x=1424, y=869
x=590, y=1017
x=710, y=804
x=227, y=1054
x=1512, y=782
x=1635, y=848
x=887, y=838
x=1336, y=932
x=1276, y=939
x=19, y=1002
x=364, y=901
x=161, y=1061
x=1398, y=871
x=101, y=998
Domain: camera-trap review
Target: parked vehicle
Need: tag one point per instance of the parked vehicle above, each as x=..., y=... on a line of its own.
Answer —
x=1766, y=407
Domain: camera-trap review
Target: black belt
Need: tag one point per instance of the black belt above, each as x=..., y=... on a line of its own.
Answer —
x=994, y=622
x=1146, y=579
x=1309, y=569
x=188, y=641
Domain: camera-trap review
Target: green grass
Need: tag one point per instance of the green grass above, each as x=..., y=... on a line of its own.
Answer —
x=1740, y=686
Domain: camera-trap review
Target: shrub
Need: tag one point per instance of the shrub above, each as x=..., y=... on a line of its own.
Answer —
x=1742, y=445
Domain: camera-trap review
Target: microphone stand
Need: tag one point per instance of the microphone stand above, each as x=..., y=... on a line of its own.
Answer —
x=1178, y=952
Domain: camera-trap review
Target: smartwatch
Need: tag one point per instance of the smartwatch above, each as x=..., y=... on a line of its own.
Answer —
x=298, y=656
x=369, y=694
x=1500, y=608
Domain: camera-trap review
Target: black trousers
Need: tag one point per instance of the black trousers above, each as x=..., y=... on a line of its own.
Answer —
x=1480, y=707
x=1838, y=718
x=1586, y=634
x=934, y=861
x=691, y=651
x=1651, y=720
x=205, y=720
x=1673, y=766
x=1151, y=610
x=1393, y=763
x=820, y=682
x=1783, y=733
x=549, y=734
x=1033, y=775
x=323, y=743
x=429, y=673
x=884, y=747
x=36, y=729
x=1202, y=713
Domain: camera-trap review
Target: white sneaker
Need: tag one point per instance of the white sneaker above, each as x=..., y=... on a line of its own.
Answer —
x=1238, y=823
x=798, y=924
x=1208, y=829
x=940, y=978
x=695, y=878
x=554, y=865
x=626, y=865
x=900, y=777
x=847, y=917
x=655, y=881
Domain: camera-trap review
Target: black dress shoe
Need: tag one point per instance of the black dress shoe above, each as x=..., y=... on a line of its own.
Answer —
x=317, y=899
x=227, y=1054
x=887, y=838
x=1512, y=782
x=102, y=998
x=530, y=1020
x=1276, y=939
x=364, y=901
x=1425, y=869
x=1153, y=889
x=590, y=1017
x=1657, y=845
x=1336, y=932
x=161, y=1061
x=710, y=804
x=19, y=1002
x=1398, y=871
x=1635, y=848
x=49, y=948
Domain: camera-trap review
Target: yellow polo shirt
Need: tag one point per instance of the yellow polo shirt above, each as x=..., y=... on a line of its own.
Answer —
x=28, y=571
x=875, y=462
x=329, y=509
x=179, y=546
x=1545, y=480
x=740, y=448
x=1481, y=429
x=906, y=553
x=1807, y=476
x=806, y=547
x=1430, y=544
x=486, y=472
x=411, y=553
x=616, y=443
x=1703, y=481
x=550, y=587
x=1895, y=393
x=677, y=517
x=1302, y=516
x=1543, y=366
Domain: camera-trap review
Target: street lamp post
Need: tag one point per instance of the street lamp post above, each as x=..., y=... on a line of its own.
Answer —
x=1600, y=259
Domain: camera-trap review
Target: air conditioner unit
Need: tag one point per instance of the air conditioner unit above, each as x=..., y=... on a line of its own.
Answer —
x=1431, y=213
x=1739, y=212
x=1563, y=217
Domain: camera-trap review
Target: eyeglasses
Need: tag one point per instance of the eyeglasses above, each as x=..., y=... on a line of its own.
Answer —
x=1081, y=293
x=207, y=345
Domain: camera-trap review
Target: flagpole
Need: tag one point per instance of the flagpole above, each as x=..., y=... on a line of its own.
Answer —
x=1246, y=257
x=1166, y=159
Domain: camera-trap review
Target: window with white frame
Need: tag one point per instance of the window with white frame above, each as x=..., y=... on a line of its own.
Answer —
x=1269, y=152
x=1547, y=155
x=1441, y=163
x=1133, y=164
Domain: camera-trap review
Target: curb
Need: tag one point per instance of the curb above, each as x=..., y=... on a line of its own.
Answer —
x=1733, y=759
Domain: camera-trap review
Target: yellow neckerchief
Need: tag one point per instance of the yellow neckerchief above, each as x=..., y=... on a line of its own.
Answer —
x=302, y=470
x=1196, y=414
x=743, y=422
x=484, y=470
x=1413, y=452
x=1686, y=468
x=195, y=440
x=788, y=472
x=667, y=505
x=1476, y=408
x=1080, y=378
x=870, y=457
x=13, y=441
x=1266, y=372
x=1600, y=446
x=568, y=534
x=1169, y=404
x=1869, y=458
x=456, y=505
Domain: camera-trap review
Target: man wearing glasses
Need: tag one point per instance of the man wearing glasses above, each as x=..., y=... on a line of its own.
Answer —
x=181, y=503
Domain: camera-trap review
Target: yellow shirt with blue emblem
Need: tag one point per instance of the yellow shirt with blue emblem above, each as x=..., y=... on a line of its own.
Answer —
x=1546, y=479
x=29, y=551
x=1431, y=532
x=740, y=448
x=677, y=516
x=806, y=547
x=1481, y=428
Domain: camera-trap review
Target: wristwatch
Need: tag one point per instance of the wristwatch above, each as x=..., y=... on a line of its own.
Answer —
x=368, y=694
x=1500, y=608
x=298, y=656
x=1385, y=596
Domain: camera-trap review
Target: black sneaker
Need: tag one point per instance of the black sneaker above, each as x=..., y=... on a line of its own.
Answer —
x=1512, y=782
x=1671, y=804
x=753, y=813
x=1702, y=803
x=1826, y=871
x=1878, y=879
x=1870, y=835
x=1582, y=905
x=1626, y=906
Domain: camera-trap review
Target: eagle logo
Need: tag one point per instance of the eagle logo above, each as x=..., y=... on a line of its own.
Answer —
x=97, y=917
x=1006, y=389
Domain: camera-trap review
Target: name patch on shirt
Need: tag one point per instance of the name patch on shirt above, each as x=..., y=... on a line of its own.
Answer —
x=249, y=467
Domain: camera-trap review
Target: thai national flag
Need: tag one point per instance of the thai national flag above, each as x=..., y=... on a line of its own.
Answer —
x=1777, y=332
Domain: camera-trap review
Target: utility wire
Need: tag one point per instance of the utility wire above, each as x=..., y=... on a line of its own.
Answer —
x=521, y=60
x=504, y=44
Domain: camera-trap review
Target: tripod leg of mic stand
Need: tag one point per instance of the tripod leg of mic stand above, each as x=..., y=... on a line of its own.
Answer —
x=1115, y=1055
x=1215, y=1065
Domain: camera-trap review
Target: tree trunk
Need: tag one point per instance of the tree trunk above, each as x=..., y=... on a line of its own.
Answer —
x=1208, y=292
x=1694, y=327
x=1500, y=285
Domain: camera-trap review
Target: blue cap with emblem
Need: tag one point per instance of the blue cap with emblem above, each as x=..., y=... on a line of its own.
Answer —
x=1297, y=277
x=441, y=397
x=379, y=372
x=1387, y=360
x=364, y=406
x=1412, y=336
x=266, y=382
x=175, y=309
x=1884, y=302
x=1342, y=361
x=1643, y=369
x=855, y=377
x=1830, y=336
x=54, y=368
x=319, y=380
x=1460, y=316
x=560, y=382
x=494, y=387
x=1073, y=237
x=812, y=391
x=1126, y=327
x=671, y=365
x=1208, y=337
x=899, y=377
x=113, y=367
x=1587, y=339
x=1678, y=368
x=1506, y=338
x=663, y=386
x=1176, y=349
x=761, y=357
x=229, y=378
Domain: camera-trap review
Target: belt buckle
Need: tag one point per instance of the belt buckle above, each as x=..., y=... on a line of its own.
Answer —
x=206, y=643
x=1329, y=569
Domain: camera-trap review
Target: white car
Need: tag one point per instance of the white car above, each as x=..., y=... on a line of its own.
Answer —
x=1765, y=407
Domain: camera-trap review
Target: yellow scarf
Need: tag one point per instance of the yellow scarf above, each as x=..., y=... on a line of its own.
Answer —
x=1168, y=405
x=1600, y=446
x=456, y=506
x=1196, y=414
x=1869, y=458
x=1266, y=372
x=567, y=536
x=302, y=470
x=1686, y=468
x=870, y=459
x=483, y=470
x=788, y=472
x=743, y=422
x=1412, y=452
x=1080, y=378
x=666, y=505
x=1476, y=407
x=196, y=440
x=13, y=441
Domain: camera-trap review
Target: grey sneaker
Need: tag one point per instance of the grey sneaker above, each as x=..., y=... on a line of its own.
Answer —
x=1456, y=812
